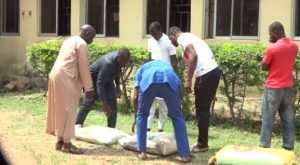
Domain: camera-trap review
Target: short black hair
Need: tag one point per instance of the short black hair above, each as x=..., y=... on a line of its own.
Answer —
x=124, y=51
x=174, y=29
x=154, y=26
x=277, y=28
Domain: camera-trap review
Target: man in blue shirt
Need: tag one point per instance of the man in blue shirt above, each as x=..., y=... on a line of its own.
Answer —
x=158, y=79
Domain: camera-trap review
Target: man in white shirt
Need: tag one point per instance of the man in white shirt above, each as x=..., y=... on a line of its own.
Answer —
x=160, y=48
x=201, y=63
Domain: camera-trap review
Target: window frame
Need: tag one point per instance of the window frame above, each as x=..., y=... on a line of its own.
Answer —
x=293, y=27
x=146, y=31
x=2, y=14
x=40, y=21
x=235, y=37
x=104, y=18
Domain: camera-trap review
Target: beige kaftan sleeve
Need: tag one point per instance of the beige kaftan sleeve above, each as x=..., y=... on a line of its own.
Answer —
x=83, y=68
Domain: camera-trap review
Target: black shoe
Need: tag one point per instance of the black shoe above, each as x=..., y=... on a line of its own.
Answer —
x=160, y=130
x=288, y=148
x=199, y=148
x=59, y=145
x=148, y=129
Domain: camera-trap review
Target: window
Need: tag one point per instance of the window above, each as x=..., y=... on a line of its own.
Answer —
x=103, y=15
x=10, y=17
x=169, y=13
x=55, y=17
x=297, y=19
x=232, y=18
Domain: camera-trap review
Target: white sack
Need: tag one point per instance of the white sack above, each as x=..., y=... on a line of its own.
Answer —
x=160, y=143
x=99, y=134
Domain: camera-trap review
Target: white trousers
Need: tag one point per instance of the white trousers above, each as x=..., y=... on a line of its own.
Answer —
x=163, y=113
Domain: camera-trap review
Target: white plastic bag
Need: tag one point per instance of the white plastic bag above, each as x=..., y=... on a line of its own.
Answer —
x=99, y=134
x=160, y=143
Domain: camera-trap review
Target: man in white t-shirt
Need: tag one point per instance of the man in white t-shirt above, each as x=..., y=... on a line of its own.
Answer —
x=160, y=48
x=201, y=63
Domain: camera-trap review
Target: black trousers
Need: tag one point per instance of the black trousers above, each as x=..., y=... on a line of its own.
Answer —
x=205, y=90
x=85, y=107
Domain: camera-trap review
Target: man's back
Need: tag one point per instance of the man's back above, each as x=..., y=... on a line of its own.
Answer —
x=156, y=71
x=281, y=58
x=108, y=60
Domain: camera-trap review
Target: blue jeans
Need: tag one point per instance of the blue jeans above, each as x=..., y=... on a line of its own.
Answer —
x=85, y=107
x=173, y=102
x=281, y=100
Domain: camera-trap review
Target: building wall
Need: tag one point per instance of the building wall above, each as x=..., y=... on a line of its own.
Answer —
x=275, y=10
x=131, y=25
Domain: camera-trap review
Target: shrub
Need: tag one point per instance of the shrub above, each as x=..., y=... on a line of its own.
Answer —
x=240, y=64
x=42, y=55
x=241, y=68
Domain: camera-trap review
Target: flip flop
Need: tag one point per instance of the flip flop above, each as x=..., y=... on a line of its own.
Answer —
x=186, y=159
x=142, y=155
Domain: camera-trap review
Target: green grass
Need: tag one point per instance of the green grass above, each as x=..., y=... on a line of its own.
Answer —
x=220, y=135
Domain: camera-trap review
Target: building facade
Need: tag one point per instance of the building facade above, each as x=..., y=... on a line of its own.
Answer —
x=125, y=21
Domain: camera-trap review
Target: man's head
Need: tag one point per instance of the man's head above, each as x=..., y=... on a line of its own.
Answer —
x=123, y=57
x=155, y=30
x=173, y=34
x=276, y=31
x=87, y=33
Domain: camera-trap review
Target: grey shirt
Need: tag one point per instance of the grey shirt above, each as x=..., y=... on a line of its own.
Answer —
x=104, y=71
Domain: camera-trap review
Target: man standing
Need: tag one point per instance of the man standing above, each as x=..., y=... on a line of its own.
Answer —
x=279, y=61
x=104, y=71
x=69, y=74
x=152, y=79
x=160, y=48
x=201, y=63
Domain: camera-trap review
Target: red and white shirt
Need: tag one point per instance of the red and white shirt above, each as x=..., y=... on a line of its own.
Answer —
x=205, y=57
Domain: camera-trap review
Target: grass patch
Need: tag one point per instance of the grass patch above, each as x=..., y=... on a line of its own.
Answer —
x=222, y=132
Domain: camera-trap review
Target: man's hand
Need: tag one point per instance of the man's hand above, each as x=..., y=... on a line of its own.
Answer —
x=188, y=86
x=90, y=95
x=107, y=109
x=133, y=126
x=119, y=92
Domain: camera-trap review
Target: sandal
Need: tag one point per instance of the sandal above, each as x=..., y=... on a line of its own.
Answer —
x=59, y=145
x=198, y=148
x=184, y=159
x=70, y=148
x=142, y=155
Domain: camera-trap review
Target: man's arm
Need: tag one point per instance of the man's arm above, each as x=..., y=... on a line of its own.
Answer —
x=117, y=82
x=267, y=59
x=84, y=72
x=192, y=63
x=173, y=60
x=149, y=55
x=265, y=66
x=102, y=79
x=135, y=105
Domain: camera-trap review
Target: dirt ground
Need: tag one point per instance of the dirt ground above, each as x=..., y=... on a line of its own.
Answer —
x=24, y=142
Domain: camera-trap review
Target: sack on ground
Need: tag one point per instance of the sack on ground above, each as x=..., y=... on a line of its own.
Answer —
x=254, y=155
x=99, y=134
x=160, y=143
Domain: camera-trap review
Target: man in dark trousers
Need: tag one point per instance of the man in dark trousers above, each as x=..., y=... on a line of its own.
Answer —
x=202, y=65
x=104, y=72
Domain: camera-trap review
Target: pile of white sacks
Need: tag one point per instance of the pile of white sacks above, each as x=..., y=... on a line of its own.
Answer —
x=159, y=143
